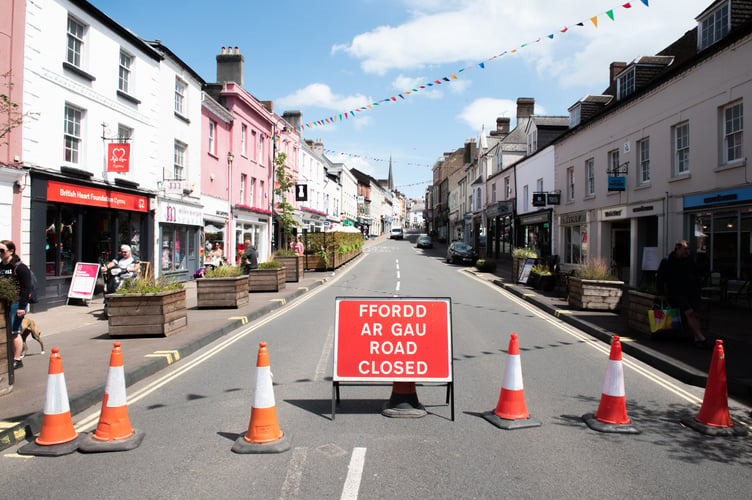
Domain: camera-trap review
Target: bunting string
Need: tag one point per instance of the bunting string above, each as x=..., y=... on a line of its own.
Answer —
x=346, y=115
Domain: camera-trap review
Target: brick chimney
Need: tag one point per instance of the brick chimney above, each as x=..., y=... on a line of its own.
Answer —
x=614, y=69
x=525, y=107
x=502, y=127
x=294, y=118
x=230, y=66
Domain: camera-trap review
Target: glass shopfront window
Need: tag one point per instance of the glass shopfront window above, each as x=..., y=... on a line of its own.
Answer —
x=722, y=242
x=575, y=244
x=179, y=248
x=61, y=245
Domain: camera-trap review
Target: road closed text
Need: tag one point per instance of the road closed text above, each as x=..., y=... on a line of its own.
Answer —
x=393, y=339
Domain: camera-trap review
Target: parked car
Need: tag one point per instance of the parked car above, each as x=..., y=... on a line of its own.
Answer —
x=459, y=252
x=396, y=234
x=424, y=241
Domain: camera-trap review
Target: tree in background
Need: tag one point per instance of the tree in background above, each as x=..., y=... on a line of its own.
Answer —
x=282, y=187
x=10, y=112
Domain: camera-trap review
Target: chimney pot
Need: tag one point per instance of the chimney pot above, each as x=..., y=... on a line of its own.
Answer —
x=223, y=50
x=237, y=51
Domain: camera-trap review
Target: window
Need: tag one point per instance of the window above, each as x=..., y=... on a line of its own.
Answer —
x=261, y=194
x=252, y=192
x=493, y=193
x=253, y=137
x=532, y=142
x=260, y=150
x=243, y=139
x=680, y=135
x=507, y=188
x=613, y=162
x=72, y=133
x=643, y=157
x=539, y=185
x=180, y=150
x=525, y=196
x=125, y=133
x=76, y=33
x=574, y=116
x=181, y=88
x=590, y=177
x=212, y=138
x=575, y=244
x=499, y=161
x=570, y=184
x=243, y=180
x=625, y=84
x=126, y=62
x=733, y=126
x=714, y=27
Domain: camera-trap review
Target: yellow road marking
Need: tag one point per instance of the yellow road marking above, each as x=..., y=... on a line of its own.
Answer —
x=243, y=319
x=283, y=301
x=170, y=356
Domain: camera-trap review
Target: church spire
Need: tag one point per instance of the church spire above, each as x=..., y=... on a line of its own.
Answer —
x=390, y=180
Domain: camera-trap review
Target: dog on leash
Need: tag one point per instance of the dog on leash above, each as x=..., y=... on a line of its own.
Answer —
x=28, y=327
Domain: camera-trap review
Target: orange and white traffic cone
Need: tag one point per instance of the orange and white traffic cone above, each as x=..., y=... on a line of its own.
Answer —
x=714, y=418
x=264, y=434
x=57, y=437
x=403, y=402
x=114, y=431
x=511, y=411
x=612, y=412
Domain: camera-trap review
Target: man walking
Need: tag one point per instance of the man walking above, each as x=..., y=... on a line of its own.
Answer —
x=250, y=257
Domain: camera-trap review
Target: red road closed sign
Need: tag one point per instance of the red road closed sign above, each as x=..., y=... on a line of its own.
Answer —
x=397, y=339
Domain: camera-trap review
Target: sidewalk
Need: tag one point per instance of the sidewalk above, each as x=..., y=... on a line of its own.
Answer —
x=671, y=352
x=85, y=346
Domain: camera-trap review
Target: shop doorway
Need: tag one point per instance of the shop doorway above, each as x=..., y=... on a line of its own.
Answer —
x=620, y=251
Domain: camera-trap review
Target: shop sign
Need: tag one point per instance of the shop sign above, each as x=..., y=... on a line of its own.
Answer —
x=718, y=198
x=173, y=187
x=95, y=197
x=118, y=157
x=539, y=199
x=400, y=339
x=301, y=192
x=614, y=213
x=573, y=219
x=83, y=281
x=554, y=198
x=175, y=213
x=617, y=183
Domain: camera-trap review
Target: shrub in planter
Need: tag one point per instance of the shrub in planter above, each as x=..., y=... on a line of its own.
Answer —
x=595, y=269
x=542, y=277
x=270, y=264
x=519, y=256
x=223, y=286
x=293, y=263
x=269, y=277
x=146, y=307
x=8, y=292
x=594, y=286
x=486, y=265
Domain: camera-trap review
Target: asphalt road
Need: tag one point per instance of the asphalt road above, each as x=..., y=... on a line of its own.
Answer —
x=192, y=412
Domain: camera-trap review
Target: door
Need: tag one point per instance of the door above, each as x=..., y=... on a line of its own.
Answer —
x=620, y=251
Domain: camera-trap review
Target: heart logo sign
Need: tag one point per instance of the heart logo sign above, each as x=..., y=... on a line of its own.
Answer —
x=118, y=157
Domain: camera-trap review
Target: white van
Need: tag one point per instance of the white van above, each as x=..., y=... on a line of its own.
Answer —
x=396, y=233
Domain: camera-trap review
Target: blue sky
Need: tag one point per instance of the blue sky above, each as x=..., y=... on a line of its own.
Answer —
x=330, y=57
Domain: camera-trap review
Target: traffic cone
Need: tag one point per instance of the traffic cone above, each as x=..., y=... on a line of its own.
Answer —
x=114, y=431
x=403, y=402
x=57, y=437
x=511, y=411
x=264, y=434
x=714, y=418
x=612, y=412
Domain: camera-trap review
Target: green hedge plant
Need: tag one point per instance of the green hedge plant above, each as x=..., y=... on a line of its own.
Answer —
x=145, y=285
x=486, y=265
x=524, y=253
x=224, y=272
x=270, y=264
x=595, y=269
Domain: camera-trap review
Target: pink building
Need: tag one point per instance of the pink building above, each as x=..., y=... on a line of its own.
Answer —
x=241, y=137
x=13, y=177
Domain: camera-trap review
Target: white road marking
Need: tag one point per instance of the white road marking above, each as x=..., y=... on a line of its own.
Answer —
x=291, y=485
x=324, y=358
x=354, y=474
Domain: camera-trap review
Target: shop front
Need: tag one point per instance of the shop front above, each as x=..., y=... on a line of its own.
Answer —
x=574, y=237
x=75, y=221
x=720, y=231
x=251, y=225
x=180, y=226
x=500, y=222
x=535, y=231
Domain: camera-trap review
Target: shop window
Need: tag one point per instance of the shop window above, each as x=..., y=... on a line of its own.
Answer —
x=60, y=241
x=575, y=244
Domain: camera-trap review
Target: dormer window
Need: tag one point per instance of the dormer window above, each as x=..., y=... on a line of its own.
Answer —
x=714, y=26
x=574, y=115
x=625, y=84
x=532, y=141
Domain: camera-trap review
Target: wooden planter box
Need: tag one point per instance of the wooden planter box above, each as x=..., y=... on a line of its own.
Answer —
x=295, y=267
x=266, y=280
x=595, y=294
x=222, y=292
x=639, y=304
x=6, y=353
x=161, y=313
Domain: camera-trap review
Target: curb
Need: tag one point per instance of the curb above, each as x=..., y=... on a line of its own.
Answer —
x=31, y=425
x=669, y=366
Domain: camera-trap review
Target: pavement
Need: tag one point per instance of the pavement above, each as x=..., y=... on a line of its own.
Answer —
x=80, y=332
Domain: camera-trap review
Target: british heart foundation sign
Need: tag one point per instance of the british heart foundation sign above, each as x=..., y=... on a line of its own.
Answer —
x=118, y=157
x=398, y=339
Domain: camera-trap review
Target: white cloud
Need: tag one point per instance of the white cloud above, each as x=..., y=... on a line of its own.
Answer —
x=465, y=32
x=321, y=95
x=485, y=111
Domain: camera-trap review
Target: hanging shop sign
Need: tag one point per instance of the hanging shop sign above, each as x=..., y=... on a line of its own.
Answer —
x=177, y=213
x=118, y=157
x=95, y=197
